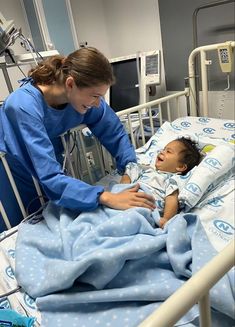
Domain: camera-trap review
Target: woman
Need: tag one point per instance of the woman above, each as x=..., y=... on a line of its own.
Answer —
x=59, y=94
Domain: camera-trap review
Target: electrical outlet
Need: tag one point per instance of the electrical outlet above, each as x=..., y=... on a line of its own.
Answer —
x=90, y=159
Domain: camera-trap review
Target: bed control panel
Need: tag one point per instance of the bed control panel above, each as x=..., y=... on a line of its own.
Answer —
x=225, y=58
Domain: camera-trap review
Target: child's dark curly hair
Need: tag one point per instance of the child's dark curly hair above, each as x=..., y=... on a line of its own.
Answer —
x=190, y=155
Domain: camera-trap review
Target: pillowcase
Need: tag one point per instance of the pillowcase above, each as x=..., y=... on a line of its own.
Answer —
x=216, y=165
x=168, y=132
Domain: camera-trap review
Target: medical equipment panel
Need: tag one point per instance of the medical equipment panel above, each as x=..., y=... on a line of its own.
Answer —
x=225, y=58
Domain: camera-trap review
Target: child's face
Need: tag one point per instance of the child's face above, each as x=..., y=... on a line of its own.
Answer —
x=169, y=159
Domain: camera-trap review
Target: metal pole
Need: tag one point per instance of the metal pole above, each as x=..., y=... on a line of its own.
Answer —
x=193, y=290
x=195, y=40
x=6, y=76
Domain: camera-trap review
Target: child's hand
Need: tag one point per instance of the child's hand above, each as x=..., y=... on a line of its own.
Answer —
x=125, y=179
x=162, y=222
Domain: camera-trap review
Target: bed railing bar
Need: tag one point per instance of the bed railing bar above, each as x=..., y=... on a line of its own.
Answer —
x=39, y=192
x=130, y=129
x=160, y=114
x=172, y=310
x=204, y=84
x=107, y=160
x=192, y=77
x=4, y=216
x=168, y=111
x=177, y=107
x=152, y=103
x=205, y=312
x=141, y=128
x=67, y=155
x=101, y=162
x=151, y=120
x=13, y=185
x=85, y=157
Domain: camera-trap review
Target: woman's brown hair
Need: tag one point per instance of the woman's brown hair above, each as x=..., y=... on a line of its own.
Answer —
x=88, y=66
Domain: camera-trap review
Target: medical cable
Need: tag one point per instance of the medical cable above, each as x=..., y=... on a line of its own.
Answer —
x=8, y=52
x=23, y=38
x=34, y=199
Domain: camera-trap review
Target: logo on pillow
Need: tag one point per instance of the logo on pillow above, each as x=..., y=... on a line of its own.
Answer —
x=193, y=188
x=5, y=304
x=10, y=272
x=11, y=253
x=229, y=125
x=177, y=128
x=209, y=130
x=216, y=201
x=186, y=124
x=204, y=120
x=29, y=301
x=213, y=162
x=223, y=226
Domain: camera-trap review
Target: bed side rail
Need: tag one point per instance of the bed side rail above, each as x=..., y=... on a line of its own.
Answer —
x=134, y=118
x=201, y=52
x=138, y=116
x=196, y=289
x=16, y=192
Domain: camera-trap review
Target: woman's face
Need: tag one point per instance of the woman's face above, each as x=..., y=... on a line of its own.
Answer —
x=82, y=99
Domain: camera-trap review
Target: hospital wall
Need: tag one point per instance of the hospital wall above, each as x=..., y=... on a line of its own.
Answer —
x=120, y=28
x=215, y=24
x=124, y=27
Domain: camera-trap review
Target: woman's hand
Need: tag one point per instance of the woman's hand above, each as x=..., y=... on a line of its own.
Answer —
x=128, y=199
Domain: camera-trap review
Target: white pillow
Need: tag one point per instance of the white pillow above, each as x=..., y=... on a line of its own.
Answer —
x=216, y=166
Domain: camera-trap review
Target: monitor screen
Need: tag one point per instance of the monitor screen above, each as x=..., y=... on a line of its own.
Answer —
x=125, y=92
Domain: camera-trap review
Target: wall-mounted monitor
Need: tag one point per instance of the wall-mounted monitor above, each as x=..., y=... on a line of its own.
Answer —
x=133, y=74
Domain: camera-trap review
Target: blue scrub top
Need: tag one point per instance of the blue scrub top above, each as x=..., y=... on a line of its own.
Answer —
x=29, y=128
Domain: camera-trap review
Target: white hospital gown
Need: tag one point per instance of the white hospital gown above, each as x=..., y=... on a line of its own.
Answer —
x=157, y=183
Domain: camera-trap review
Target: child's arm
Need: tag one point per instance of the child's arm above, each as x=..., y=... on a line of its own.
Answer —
x=131, y=174
x=170, y=209
x=125, y=179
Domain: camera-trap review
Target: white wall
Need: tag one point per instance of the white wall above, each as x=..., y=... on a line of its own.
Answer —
x=133, y=25
x=90, y=23
x=119, y=28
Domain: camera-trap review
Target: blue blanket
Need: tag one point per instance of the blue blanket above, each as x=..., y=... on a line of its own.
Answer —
x=110, y=267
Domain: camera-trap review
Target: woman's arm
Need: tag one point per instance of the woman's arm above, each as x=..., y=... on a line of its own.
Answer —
x=170, y=208
x=111, y=133
x=65, y=190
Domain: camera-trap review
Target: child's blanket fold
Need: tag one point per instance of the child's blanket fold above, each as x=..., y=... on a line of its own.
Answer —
x=112, y=267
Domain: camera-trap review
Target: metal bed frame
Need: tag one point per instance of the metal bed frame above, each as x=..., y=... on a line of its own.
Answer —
x=196, y=289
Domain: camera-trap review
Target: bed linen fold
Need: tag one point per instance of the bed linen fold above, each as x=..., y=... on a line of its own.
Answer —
x=110, y=267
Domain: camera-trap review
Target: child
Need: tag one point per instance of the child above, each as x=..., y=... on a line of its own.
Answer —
x=176, y=159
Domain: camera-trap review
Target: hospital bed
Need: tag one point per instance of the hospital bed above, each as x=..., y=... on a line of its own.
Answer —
x=202, y=256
